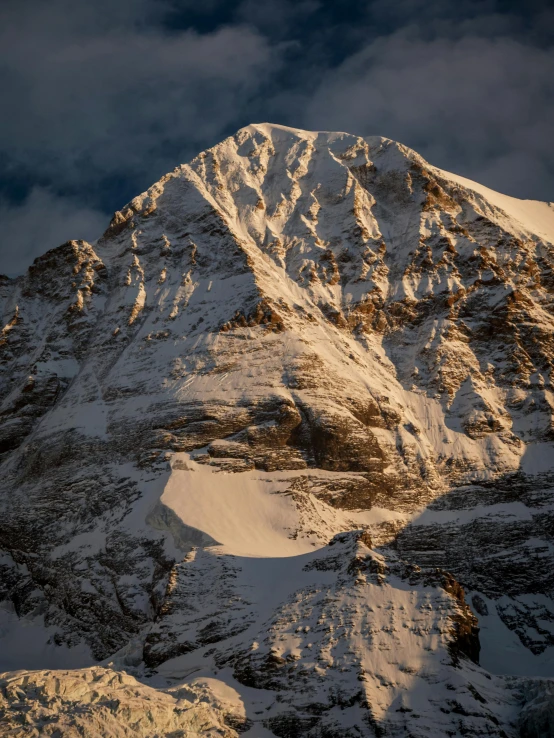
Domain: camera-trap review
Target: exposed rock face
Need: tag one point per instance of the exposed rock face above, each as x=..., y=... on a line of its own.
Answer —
x=295, y=336
x=537, y=717
x=99, y=702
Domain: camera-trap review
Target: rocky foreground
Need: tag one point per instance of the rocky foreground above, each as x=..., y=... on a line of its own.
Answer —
x=278, y=456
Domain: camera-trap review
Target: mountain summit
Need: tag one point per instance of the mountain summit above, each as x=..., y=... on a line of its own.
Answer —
x=277, y=455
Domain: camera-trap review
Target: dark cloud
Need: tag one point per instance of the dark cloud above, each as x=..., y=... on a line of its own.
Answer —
x=277, y=17
x=100, y=99
x=102, y=103
x=92, y=103
x=41, y=221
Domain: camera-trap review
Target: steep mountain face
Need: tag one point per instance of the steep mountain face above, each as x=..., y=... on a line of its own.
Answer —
x=259, y=438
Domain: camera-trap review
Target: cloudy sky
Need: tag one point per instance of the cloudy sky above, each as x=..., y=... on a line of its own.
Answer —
x=101, y=98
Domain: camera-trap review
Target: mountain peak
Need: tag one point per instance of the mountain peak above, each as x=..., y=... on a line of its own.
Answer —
x=262, y=437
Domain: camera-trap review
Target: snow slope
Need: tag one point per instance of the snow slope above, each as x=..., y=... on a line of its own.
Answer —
x=536, y=217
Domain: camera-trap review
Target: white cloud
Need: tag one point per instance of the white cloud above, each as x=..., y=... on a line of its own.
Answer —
x=483, y=107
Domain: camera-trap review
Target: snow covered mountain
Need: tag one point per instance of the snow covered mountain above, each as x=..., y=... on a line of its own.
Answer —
x=280, y=446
